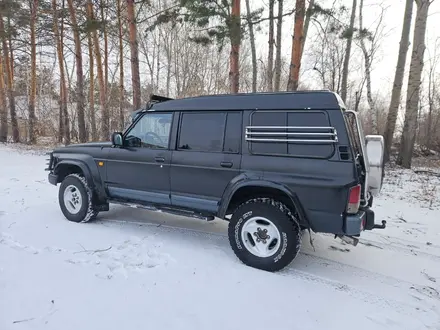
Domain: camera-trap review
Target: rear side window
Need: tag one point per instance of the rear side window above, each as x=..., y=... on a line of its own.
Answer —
x=291, y=133
x=211, y=131
x=202, y=131
x=233, y=133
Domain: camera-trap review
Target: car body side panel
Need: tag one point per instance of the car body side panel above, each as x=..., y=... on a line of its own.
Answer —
x=320, y=185
x=321, y=189
x=134, y=173
x=198, y=180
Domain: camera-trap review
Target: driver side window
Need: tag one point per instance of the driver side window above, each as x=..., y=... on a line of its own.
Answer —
x=153, y=130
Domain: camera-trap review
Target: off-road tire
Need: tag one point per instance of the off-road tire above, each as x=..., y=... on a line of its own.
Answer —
x=87, y=211
x=282, y=217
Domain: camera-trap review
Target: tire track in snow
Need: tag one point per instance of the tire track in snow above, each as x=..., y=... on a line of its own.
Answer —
x=410, y=249
x=399, y=240
x=368, y=297
x=220, y=241
x=406, y=247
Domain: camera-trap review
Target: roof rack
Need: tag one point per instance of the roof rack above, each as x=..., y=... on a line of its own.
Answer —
x=157, y=99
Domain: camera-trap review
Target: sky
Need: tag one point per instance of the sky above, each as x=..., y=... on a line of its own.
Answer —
x=384, y=65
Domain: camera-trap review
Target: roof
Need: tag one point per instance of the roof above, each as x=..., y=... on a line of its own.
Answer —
x=312, y=100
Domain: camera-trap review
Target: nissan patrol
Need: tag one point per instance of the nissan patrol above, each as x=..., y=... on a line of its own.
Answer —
x=271, y=164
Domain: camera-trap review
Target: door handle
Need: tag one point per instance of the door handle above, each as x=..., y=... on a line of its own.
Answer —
x=226, y=164
x=159, y=159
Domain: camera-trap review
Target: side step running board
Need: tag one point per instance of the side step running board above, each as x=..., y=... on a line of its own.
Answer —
x=178, y=212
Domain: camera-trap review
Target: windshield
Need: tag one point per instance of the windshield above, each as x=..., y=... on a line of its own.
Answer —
x=133, y=117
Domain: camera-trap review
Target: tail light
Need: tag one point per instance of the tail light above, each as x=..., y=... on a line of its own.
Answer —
x=354, y=199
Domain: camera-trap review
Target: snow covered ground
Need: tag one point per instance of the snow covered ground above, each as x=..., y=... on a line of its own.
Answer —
x=132, y=269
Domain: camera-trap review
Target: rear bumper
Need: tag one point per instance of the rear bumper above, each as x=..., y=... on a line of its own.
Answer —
x=53, y=178
x=356, y=223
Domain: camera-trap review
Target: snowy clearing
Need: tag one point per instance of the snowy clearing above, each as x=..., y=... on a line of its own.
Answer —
x=133, y=269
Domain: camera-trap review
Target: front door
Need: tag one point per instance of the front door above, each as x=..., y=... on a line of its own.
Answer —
x=140, y=170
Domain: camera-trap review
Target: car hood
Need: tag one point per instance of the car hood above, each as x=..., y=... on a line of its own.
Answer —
x=87, y=145
x=91, y=144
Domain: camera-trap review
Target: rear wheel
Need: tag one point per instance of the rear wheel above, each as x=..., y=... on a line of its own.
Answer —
x=75, y=199
x=264, y=234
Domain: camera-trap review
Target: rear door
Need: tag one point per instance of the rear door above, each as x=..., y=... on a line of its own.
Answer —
x=206, y=159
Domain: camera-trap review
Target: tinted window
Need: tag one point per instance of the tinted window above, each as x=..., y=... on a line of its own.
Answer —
x=312, y=119
x=153, y=129
x=270, y=119
x=202, y=131
x=233, y=132
x=292, y=148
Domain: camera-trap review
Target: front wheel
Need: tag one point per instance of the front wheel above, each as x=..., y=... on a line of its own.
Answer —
x=264, y=234
x=75, y=199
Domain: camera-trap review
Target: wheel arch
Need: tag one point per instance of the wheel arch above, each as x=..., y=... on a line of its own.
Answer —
x=64, y=168
x=259, y=188
x=68, y=166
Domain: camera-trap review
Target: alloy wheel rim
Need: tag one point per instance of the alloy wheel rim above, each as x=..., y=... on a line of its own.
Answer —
x=261, y=237
x=72, y=199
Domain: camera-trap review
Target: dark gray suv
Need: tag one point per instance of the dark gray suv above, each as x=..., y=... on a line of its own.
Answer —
x=272, y=164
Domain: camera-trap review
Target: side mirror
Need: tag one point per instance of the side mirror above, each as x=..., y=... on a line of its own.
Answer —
x=117, y=139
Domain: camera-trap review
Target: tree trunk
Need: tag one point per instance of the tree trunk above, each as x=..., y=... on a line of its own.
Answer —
x=367, y=60
x=344, y=83
x=271, y=47
x=105, y=128
x=63, y=87
x=60, y=116
x=297, y=41
x=278, y=45
x=121, y=67
x=67, y=131
x=169, y=56
x=169, y=63
x=9, y=75
x=79, y=74
x=11, y=49
x=234, y=57
x=104, y=30
x=357, y=100
x=135, y=77
x=92, y=77
x=309, y=13
x=253, y=48
x=3, y=107
x=432, y=92
x=414, y=81
x=398, y=79
x=156, y=83
x=33, y=87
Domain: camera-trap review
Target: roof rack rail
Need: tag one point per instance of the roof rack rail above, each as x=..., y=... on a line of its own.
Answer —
x=292, y=134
